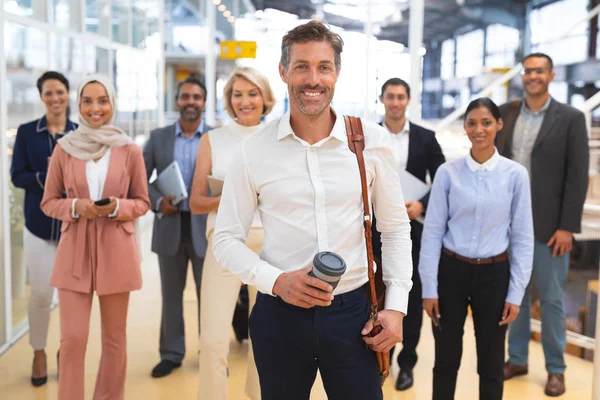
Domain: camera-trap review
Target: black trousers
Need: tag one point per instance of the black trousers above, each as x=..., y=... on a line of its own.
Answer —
x=484, y=288
x=291, y=343
x=411, y=325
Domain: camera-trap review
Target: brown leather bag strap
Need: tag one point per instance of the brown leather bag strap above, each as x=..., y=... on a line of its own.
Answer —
x=356, y=142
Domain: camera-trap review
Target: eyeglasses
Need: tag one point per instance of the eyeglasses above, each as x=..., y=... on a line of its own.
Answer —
x=538, y=71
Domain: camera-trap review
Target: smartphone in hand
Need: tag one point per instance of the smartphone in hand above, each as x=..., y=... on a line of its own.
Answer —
x=437, y=323
x=102, y=202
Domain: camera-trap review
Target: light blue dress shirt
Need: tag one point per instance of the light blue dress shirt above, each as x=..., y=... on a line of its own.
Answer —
x=478, y=211
x=186, y=150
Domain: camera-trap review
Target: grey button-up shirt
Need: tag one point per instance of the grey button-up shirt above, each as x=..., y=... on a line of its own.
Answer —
x=527, y=128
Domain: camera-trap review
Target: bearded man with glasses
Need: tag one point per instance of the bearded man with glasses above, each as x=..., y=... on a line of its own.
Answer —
x=550, y=139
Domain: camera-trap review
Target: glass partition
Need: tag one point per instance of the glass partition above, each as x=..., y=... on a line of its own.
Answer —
x=26, y=59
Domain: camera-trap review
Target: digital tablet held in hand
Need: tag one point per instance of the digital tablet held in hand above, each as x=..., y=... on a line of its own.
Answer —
x=102, y=202
x=170, y=183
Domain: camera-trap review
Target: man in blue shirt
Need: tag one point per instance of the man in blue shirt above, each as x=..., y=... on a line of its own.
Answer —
x=178, y=237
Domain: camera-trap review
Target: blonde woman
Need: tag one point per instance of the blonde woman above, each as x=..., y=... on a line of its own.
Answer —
x=97, y=187
x=248, y=97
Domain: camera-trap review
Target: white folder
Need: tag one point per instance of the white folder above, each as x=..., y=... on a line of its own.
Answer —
x=413, y=188
x=215, y=185
x=170, y=183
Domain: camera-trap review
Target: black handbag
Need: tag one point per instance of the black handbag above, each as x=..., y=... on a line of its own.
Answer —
x=240, y=315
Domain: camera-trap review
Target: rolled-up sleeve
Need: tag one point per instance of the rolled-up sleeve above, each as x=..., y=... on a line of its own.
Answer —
x=239, y=202
x=521, y=239
x=436, y=220
x=394, y=226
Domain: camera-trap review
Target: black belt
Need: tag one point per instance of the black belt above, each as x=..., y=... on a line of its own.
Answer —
x=477, y=261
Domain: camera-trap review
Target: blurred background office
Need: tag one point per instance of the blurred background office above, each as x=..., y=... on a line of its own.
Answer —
x=452, y=50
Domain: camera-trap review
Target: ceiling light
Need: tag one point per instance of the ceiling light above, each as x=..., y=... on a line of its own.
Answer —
x=231, y=18
x=227, y=14
x=216, y=2
x=222, y=7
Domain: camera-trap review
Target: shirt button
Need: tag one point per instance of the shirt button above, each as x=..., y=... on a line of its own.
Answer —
x=478, y=218
x=474, y=237
x=313, y=149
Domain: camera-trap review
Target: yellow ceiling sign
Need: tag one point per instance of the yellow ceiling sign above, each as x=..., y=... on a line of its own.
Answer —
x=232, y=49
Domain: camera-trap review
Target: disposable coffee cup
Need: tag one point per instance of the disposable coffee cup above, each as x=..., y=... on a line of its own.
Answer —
x=328, y=267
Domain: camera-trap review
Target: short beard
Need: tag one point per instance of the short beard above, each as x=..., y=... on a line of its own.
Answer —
x=302, y=107
x=190, y=115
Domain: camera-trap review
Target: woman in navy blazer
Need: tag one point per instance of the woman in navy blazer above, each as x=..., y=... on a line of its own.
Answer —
x=33, y=147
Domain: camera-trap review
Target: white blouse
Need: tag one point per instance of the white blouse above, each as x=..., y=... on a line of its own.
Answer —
x=96, y=173
x=225, y=144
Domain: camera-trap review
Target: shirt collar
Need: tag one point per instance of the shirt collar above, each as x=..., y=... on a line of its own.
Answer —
x=42, y=125
x=285, y=128
x=405, y=128
x=542, y=110
x=179, y=131
x=489, y=165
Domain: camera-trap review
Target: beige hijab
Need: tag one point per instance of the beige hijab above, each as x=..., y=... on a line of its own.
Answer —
x=89, y=143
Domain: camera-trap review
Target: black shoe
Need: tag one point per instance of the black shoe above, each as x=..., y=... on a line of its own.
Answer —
x=405, y=379
x=164, y=368
x=37, y=382
x=57, y=363
x=40, y=381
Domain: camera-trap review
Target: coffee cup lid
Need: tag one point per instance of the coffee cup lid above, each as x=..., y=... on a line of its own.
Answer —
x=329, y=263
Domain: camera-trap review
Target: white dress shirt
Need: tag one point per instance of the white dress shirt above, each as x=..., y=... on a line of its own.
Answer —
x=400, y=142
x=96, y=173
x=309, y=199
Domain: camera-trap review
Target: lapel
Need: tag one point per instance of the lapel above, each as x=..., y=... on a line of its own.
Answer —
x=116, y=166
x=78, y=172
x=169, y=144
x=507, y=151
x=413, y=147
x=549, y=119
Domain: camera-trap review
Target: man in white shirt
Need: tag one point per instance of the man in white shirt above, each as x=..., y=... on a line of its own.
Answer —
x=302, y=177
x=418, y=152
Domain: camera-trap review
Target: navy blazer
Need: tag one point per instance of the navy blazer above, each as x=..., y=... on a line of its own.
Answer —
x=33, y=145
x=424, y=155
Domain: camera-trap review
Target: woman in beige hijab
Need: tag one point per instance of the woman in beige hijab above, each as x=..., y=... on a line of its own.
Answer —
x=101, y=171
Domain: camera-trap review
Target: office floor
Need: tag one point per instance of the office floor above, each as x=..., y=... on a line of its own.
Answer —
x=144, y=316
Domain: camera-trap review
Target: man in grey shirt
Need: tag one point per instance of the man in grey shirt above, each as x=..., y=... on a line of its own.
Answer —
x=550, y=140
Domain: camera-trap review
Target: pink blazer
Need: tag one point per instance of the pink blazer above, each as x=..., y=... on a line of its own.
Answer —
x=98, y=254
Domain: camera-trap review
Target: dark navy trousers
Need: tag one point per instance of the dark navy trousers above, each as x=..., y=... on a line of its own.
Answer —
x=291, y=343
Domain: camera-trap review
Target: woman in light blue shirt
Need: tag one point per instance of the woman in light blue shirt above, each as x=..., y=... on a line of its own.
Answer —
x=477, y=251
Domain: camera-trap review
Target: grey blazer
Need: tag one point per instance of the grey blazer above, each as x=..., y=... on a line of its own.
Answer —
x=559, y=167
x=166, y=236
